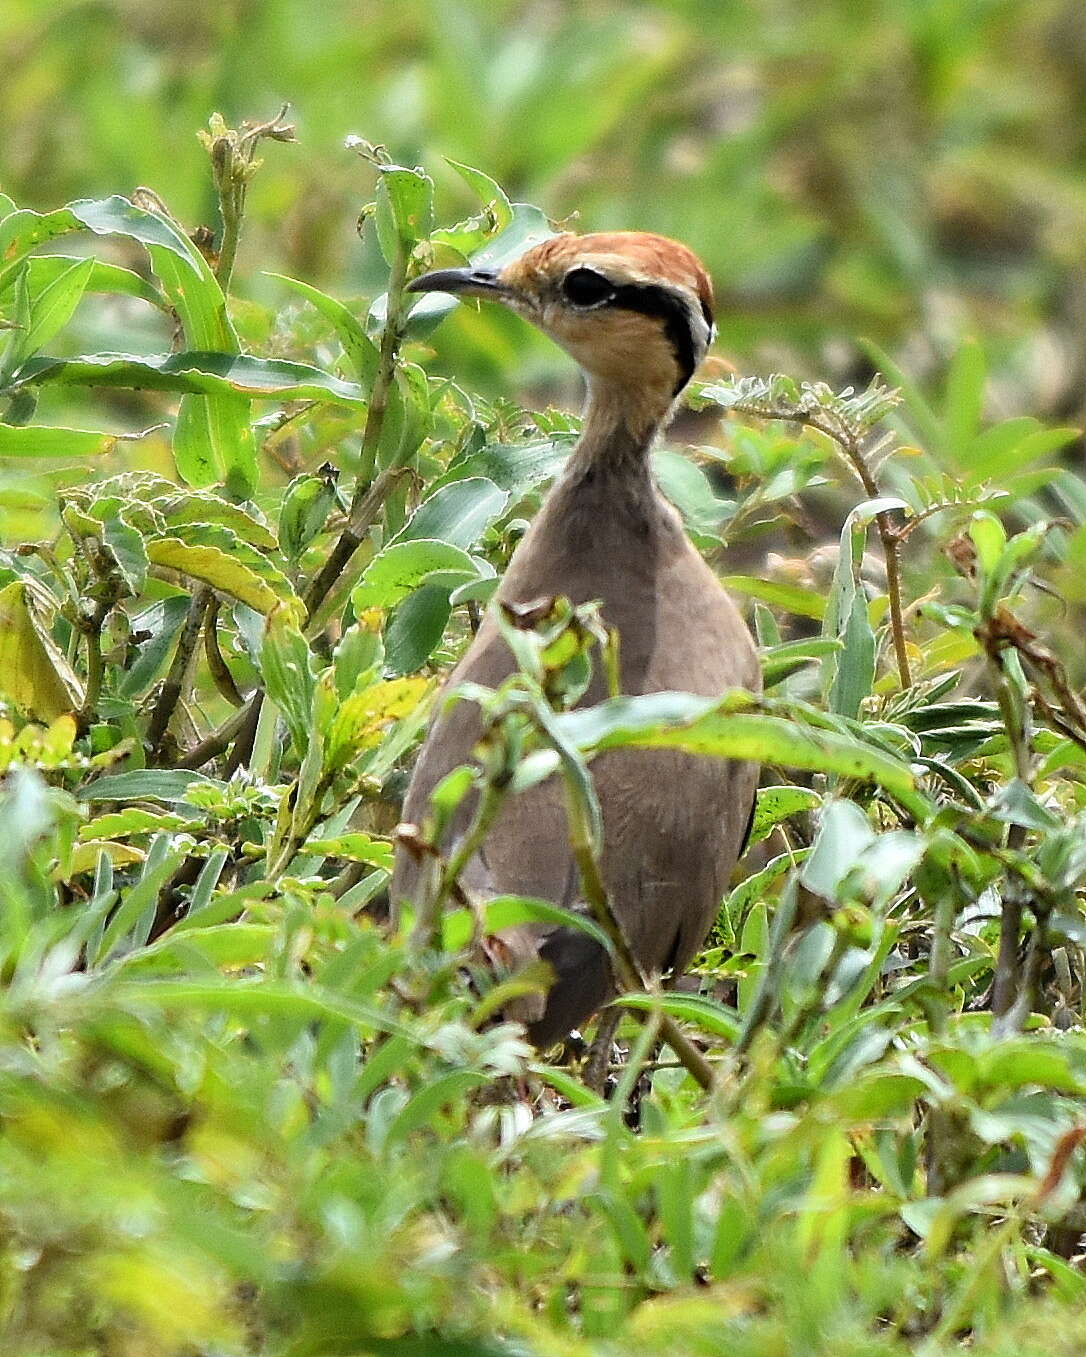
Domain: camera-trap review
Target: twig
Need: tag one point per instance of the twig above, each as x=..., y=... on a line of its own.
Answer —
x=174, y=685
x=217, y=666
x=850, y=446
x=626, y=966
x=217, y=742
x=92, y=629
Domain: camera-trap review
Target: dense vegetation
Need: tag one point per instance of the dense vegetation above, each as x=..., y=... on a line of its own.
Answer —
x=244, y=1112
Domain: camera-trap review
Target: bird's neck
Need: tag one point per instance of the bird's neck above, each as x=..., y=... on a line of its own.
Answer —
x=620, y=425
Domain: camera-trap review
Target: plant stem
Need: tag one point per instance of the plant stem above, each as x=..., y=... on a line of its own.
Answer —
x=627, y=969
x=427, y=930
x=174, y=685
x=95, y=667
x=851, y=449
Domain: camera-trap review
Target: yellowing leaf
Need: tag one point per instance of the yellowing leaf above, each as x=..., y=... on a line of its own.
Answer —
x=217, y=568
x=359, y=721
x=34, y=675
x=84, y=857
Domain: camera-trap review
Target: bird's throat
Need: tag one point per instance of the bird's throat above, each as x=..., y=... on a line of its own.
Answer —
x=619, y=427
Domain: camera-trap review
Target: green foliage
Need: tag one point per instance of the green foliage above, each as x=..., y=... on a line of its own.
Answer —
x=244, y=1111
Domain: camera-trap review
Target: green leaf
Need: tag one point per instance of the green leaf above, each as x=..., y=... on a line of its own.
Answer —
x=289, y=671
x=457, y=514
x=307, y=502
x=964, y=399
x=726, y=729
x=42, y=270
x=353, y=848
x=790, y=597
x=698, y=1009
x=989, y=538
x=145, y=784
x=209, y=373
x=404, y=566
x=132, y=820
x=489, y=192
x=125, y=545
x=690, y=490
x=854, y=664
x=509, y=911
x=362, y=353
x=516, y=468
x=163, y=621
x=36, y=440
x=213, y=440
x=405, y=209
x=415, y=629
x=777, y=804
x=51, y=309
x=201, y=507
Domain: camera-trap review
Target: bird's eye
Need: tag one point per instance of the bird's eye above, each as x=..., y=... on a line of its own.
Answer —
x=586, y=287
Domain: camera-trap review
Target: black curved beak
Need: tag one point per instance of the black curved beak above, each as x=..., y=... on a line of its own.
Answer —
x=460, y=282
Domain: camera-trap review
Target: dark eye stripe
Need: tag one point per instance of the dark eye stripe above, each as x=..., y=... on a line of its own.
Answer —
x=650, y=300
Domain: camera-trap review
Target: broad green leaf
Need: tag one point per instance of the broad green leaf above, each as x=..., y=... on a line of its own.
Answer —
x=689, y=489
x=34, y=675
x=405, y=209
x=404, y=566
x=52, y=308
x=289, y=670
x=133, y=820
x=44, y=269
x=489, y=192
x=699, y=1009
x=145, y=784
x=224, y=539
x=516, y=468
x=202, y=372
x=221, y=570
x=125, y=545
x=790, y=597
x=779, y=661
x=989, y=538
x=457, y=514
x=307, y=502
x=359, y=721
x=163, y=621
x=353, y=848
x=964, y=399
x=777, y=804
x=85, y=856
x=36, y=440
x=213, y=440
x=185, y=507
x=725, y=729
x=854, y=663
x=245, y=998
x=415, y=629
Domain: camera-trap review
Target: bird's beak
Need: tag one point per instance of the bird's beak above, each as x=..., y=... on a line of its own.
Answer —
x=462, y=283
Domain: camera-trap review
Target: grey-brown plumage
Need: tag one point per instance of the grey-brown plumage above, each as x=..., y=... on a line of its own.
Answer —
x=635, y=311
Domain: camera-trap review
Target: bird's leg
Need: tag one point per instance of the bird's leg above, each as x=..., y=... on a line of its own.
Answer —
x=599, y=1053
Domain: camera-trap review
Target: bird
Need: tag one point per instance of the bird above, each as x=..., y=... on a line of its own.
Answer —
x=635, y=311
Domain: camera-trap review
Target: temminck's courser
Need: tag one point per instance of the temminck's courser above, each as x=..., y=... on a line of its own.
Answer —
x=635, y=311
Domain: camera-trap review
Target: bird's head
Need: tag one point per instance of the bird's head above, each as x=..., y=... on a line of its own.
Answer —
x=634, y=310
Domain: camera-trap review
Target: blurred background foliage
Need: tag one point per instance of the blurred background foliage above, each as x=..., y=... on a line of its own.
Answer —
x=255, y=1135
x=907, y=170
